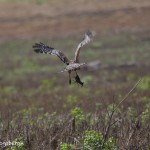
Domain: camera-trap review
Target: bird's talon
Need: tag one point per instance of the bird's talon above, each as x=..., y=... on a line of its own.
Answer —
x=70, y=82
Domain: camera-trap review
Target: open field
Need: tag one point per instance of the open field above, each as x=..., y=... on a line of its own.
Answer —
x=53, y=19
x=37, y=105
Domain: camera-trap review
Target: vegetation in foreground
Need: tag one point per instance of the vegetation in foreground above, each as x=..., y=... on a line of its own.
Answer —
x=36, y=110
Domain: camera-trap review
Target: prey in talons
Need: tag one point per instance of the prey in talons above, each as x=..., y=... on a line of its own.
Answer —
x=78, y=81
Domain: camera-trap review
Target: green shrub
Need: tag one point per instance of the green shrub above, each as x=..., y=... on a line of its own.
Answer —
x=65, y=146
x=77, y=113
x=110, y=144
x=92, y=140
x=145, y=84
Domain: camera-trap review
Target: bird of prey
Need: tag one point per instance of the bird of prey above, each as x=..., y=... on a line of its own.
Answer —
x=72, y=65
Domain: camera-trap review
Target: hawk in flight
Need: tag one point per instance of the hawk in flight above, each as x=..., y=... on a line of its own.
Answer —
x=72, y=65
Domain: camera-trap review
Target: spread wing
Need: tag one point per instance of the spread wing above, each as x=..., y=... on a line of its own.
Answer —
x=42, y=48
x=87, y=38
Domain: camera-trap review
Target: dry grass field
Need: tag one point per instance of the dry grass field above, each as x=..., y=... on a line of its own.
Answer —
x=38, y=107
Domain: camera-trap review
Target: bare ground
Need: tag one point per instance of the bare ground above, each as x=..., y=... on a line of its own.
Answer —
x=55, y=19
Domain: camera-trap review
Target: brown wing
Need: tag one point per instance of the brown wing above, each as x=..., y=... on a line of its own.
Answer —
x=87, y=38
x=42, y=48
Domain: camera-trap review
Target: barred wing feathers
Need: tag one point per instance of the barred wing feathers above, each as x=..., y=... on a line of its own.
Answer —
x=87, y=38
x=42, y=48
